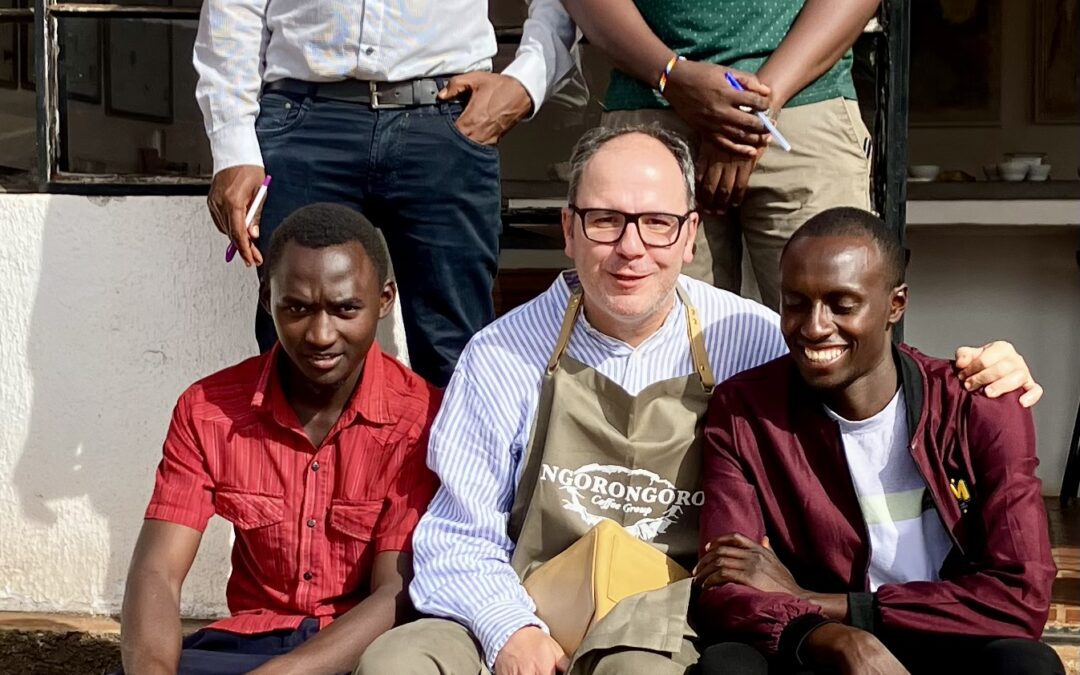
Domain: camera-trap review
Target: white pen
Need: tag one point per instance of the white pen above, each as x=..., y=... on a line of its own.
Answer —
x=230, y=252
x=777, y=136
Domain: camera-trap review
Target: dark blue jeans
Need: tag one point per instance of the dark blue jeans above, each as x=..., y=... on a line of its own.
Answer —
x=433, y=192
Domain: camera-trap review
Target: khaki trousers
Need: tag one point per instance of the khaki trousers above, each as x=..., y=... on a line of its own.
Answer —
x=828, y=166
x=442, y=647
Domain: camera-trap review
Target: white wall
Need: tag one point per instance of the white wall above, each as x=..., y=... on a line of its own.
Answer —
x=972, y=284
x=109, y=308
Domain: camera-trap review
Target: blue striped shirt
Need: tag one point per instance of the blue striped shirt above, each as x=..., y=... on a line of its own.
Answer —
x=461, y=548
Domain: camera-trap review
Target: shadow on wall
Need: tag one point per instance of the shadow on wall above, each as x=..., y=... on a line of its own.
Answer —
x=133, y=304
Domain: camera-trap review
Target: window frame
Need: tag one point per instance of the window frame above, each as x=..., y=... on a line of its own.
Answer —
x=44, y=16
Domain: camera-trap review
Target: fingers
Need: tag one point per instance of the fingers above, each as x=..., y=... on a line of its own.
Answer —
x=725, y=575
x=741, y=119
x=964, y=358
x=220, y=222
x=239, y=234
x=742, y=180
x=457, y=85
x=752, y=85
x=742, y=150
x=724, y=188
x=998, y=378
x=1033, y=391
x=708, y=180
x=973, y=359
x=741, y=136
x=732, y=539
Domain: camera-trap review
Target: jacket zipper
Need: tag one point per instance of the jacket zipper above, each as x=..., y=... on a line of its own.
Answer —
x=933, y=497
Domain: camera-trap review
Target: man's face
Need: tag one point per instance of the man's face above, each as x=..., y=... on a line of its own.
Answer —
x=627, y=283
x=837, y=308
x=326, y=304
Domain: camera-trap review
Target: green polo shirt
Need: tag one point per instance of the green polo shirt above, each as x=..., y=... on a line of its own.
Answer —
x=739, y=34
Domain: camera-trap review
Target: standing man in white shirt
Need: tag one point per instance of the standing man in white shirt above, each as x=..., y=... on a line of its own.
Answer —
x=390, y=108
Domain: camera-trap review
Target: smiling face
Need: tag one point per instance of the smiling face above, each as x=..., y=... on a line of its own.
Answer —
x=629, y=287
x=326, y=303
x=837, y=311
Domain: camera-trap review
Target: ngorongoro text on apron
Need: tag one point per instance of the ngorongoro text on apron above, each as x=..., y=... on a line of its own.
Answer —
x=598, y=452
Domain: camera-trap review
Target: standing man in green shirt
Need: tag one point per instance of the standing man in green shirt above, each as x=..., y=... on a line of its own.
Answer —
x=793, y=58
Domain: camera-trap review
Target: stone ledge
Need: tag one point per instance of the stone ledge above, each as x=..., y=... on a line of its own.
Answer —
x=63, y=644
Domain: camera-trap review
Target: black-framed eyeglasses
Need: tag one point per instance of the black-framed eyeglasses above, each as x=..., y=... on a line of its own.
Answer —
x=607, y=226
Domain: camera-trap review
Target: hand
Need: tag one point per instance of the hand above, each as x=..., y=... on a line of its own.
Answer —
x=849, y=651
x=531, y=651
x=722, y=177
x=231, y=193
x=998, y=369
x=736, y=559
x=496, y=103
x=703, y=97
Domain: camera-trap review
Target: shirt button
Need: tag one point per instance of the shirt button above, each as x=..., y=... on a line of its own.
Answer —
x=308, y=576
x=311, y=522
x=314, y=466
x=369, y=51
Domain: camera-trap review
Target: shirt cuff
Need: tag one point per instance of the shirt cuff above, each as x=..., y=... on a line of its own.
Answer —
x=862, y=611
x=495, y=623
x=235, y=143
x=529, y=69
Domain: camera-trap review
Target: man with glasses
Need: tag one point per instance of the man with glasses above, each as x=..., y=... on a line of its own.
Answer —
x=582, y=405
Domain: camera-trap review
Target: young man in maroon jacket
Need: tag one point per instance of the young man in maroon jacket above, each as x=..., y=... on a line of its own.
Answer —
x=864, y=512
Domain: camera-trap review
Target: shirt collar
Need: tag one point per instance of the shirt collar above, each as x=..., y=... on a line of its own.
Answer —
x=672, y=322
x=368, y=401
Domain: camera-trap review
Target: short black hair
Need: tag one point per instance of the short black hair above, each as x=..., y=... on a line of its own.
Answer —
x=845, y=221
x=325, y=224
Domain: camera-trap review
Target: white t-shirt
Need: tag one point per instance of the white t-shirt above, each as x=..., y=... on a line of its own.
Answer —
x=907, y=539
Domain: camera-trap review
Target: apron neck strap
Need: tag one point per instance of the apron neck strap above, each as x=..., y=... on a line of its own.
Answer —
x=693, y=330
x=573, y=308
x=697, y=342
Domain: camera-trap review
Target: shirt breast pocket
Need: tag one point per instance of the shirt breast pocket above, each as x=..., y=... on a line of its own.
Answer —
x=352, y=530
x=258, y=520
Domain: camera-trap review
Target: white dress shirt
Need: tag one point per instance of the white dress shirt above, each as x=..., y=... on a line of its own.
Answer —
x=243, y=43
x=461, y=549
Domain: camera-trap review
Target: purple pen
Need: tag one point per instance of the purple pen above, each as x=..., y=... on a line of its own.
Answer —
x=260, y=196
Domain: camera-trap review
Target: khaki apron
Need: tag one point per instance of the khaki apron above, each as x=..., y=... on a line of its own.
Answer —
x=597, y=452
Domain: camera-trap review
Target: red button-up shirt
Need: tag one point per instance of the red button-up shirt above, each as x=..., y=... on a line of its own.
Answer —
x=308, y=520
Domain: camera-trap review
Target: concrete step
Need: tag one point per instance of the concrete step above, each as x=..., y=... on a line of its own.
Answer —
x=63, y=644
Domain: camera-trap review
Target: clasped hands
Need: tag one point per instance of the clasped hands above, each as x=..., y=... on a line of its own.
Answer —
x=733, y=558
x=732, y=137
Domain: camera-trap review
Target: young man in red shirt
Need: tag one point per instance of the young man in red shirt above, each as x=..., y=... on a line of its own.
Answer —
x=864, y=512
x=315, y=452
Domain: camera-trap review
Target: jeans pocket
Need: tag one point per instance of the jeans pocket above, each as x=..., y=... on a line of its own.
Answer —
x=450, y=116
x=280, y=113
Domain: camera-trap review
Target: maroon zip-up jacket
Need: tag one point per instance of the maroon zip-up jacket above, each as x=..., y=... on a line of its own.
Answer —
x=774, y=465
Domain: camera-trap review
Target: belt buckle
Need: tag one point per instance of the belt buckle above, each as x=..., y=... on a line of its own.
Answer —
x=373, y=90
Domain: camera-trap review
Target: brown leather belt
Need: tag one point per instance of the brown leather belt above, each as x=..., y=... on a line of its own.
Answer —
x=408, y=94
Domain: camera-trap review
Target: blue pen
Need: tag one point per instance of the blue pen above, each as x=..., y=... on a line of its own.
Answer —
x=777, y=136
